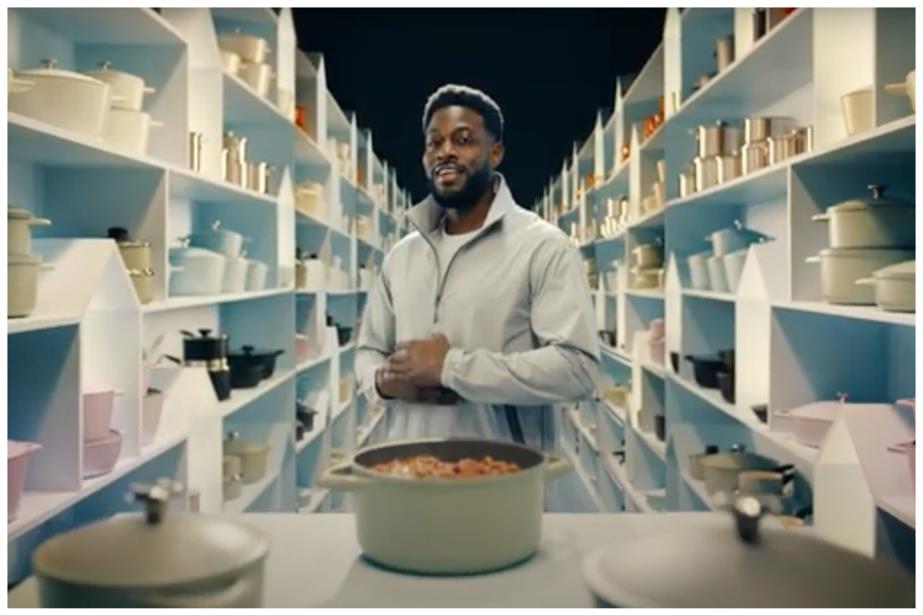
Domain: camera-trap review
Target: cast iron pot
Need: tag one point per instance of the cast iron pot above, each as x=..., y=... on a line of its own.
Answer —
x=245, y=376
x=204, y=346
x=248, y=357
x=451, y=525
x=674, y=361
x=705, y=368
x=726, y=385
x=660, y=427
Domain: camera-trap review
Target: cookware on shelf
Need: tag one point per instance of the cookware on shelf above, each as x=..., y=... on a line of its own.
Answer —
x=196, y=271
x=840, y=268
x=245, y=376
x=811, y=422
x=857, y=111
x=908, y=89
x=695, y=461
x=908, y=449
x=705, y=369
x=716, y=274
x=761, y=411
x=895, y=286
x=401, y=521
x=749, y=566
x=136, y=254
x=754, y=156
x=250, y=48
x=698, y=270
x=235, y=275
x=873, y=222
x=153, y=559
x=22, y=284
x=733, y=268
x=250, y=356
x=253, y=455
x=101, y=454
x=257, y=75
x=660, y=427
x=127, y=90
x=256, y=275
x=143, y=283
x=724, y=52
x=128, y=130
x=726, y=384
x=674, y=361
x=87, y=99
x=216, y=239
x=17, y=463
x=97, y=413
x=19, y=223
x=732, y=239
x=209, y=352
x=722, y=470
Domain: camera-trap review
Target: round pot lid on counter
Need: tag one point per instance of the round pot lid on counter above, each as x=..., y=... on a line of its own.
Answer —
x=710, y=565
x=151, y=550
x=875, y=200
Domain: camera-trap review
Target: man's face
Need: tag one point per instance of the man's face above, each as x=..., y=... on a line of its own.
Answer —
x=459, y=156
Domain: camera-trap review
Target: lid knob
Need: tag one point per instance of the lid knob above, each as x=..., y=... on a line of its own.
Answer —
x=248, y=349
x=216, y=224
x=738, y=447
x=105, y=65
x=747, y=513
x=877, y=190
x=155, y=497
x=118, y=234
x=50, y=62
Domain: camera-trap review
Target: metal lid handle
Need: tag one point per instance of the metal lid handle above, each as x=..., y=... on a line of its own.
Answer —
x=155, y=497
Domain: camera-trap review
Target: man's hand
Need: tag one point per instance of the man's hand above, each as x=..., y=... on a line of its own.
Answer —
x=420, y=361
x=392, y=386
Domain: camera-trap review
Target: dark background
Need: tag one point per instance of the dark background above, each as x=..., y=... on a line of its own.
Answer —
x=548, y=69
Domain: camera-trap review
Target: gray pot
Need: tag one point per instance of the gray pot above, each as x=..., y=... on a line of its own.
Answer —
x=895, y=287
x=841, y=268
x=875, y=222
x=222, y=241
x=153, y=560
x=253, y=455
x=451, y=525
x=22, y=284
x=698, y=270
x=19, y=223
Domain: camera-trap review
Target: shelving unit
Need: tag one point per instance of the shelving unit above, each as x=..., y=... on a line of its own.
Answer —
x=88, y=328
x=792, y=348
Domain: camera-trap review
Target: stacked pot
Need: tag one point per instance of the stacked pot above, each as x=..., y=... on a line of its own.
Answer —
x=127, y=126
x=238, y=170
x=17, y=462
x=101, y=444
x=871, y=255
x=245, y=55
x=648, y=271
x=252, y=457
x=212, y=262
x=22, y=266
x=136, y=255
x=719, y=269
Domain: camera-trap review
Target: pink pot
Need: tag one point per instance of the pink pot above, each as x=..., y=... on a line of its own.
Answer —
x=811, y=422
x=302, y=349
x=908, y=449
x=100, y=455
x=17, y=460
x=97, y=413
x=657, y=350
x=656, y=327
x=151, y=410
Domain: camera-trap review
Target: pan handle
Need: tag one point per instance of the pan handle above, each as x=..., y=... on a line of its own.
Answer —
x=820, y=217
x=341, y=477
x=866, y=281
x=555, y=466
x=814, y=259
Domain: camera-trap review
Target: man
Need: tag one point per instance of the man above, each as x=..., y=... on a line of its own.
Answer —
x=481, y=317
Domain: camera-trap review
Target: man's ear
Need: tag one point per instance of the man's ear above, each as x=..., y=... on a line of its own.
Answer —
x=495, y=157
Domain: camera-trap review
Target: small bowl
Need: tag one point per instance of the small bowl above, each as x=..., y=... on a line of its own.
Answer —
x=100, y=455
x=97, y=413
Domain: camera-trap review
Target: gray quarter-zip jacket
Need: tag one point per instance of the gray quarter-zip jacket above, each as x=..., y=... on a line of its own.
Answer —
x=515, y=307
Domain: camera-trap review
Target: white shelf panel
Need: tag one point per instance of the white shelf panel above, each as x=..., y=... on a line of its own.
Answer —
x=37, y=322
x=250, y=492
x=342, y=407
x=698, y=487
x=902, y=507
x=617, y=471
x=616, y=411
x=617, y=354
x=347, y=348
x=188, y=184
x=763, y=185
x=305, y=219
x=718, y=296
x=584, y=430
x=581, y=473
x=109, y=26
x=652, y=294
x=898, y=136
x=312, y=363
x=369, y=244
x=650, y=440
x=654, y=368
x=307, y=150
x=365, y=433
x=196, y=301
x=651, y=220
x=242, y=397
x=318, y=495
x=308, y=438
x=243, y=105
x=37, y=507
x=864, y=313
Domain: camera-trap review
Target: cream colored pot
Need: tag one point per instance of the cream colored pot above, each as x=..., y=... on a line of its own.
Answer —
x=451, y=525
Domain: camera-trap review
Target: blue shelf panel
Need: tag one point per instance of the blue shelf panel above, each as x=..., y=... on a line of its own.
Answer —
x=243, y=106
x=110, y=25
x=760, y=186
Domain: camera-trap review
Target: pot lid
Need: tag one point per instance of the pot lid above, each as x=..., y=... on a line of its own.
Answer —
x=768, y=567
x=248, y=350
x=899, y=271
x=234, y=445
x=192, y=252
x=824, y=409
x=151, y=549
x=876, y=199
x=105, y=69
x=18, y=213
x=121, y=236
x=50, y=69
x=204, y=335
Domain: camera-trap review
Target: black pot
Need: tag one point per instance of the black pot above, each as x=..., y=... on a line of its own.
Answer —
x=726, y=385
x=705, y=369
x=305, y=415
x=343, y=334
x=245, y=376
x=674, y=361
x=248, y=356
x=660, y=427
x=299, y=431
x=607, y=336
x=761, y=411
x=727, y=356
x=221, y=383
x=204, y=346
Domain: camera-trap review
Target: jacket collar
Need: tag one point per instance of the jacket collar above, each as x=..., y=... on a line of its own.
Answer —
x=427, y=215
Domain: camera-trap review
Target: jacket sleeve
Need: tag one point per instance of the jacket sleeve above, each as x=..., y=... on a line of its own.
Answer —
x=564, y=367
x=376, y=335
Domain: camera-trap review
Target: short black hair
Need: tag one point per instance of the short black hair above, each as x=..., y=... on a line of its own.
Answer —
x=466, y=96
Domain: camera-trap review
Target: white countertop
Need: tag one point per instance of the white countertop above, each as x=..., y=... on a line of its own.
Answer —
x=314, y=561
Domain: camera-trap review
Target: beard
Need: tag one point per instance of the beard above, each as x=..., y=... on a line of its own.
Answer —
x=475, y=186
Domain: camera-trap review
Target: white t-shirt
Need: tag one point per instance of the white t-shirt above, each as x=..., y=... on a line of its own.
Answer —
x=447, y=245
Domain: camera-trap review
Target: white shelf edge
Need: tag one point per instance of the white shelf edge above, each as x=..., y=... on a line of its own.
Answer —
x=240, y=83
x=307, y=439
x=743, y=180
x=617, y=472
x=616, y=411
x=872, y=314
x=652, y=443
x=654, y=294
x=37, y=322
x=902, y=507
x=318, y=495
x=312, y=363
x=647, y=218
x=617, y=354
x=655, y=369
x=196, y=301
x=718, y=296
x=698, y=487
x=366, y=432
x=584, y=430
x=578, y=469
x=347, y=348
x=243, y=397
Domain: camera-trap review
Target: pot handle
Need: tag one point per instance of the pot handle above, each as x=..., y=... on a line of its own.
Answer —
x=896, y=88
x=116, y=98
x=234, y=595
x=866, y=281
x=149, y=90
x=814, y=259
x=155, y=124
x=39, y=222
x=555, y=466
x=821, y=217
x=340, y=477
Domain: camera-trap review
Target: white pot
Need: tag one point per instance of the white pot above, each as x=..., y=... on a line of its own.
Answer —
x=127, y=90
x=315, y=274
x=874, y=222
x=840, y=268
x=309, y=199
x=256, y=276
x=151, y=410
x=895, y=287
x=253, y=455
x=14, y=85
x=143, y=282
x=128, y=130
x=230, y=61
x=646, y=278
x=857, y=111
x=22, y=284
x=908, y=89
x=235, y=275
x=250, y=48
x=19, y=223
x=64, y=99
x=97, y=413
x=733, y=268
x=222, y=241
x=402, y=522
x=200, y=272
x=257, y=76
x=648, y=255
x=698, y=270
x=732, y=239
x=716, y=274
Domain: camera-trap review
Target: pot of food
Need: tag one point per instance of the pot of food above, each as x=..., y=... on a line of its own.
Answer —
x=908, y=89
x=732, y=239
x=22, y=284
x=216, y=239
x=256, y=275
x=840, y=268
x=19, y=223
x=895, y=286
x=447, y=506
x=253, y=455
x=154, y=559
x=249, y=356
x=250, y=48
x=17, y=463
x=127, y=90
x=196, y=271
x=716, y=274
x=749, y=566
x=65, y=99
x=128, y=130
x=698, y=270
x=857, y=111
x=875, y=222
